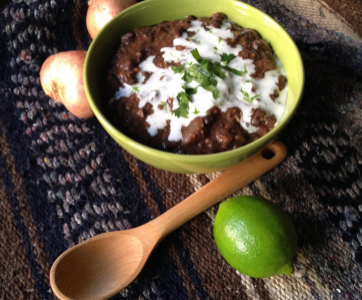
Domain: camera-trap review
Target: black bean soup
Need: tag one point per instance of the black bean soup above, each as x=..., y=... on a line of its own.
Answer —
x=195, y=86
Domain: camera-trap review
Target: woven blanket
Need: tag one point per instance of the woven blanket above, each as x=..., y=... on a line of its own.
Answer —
x=64, y=180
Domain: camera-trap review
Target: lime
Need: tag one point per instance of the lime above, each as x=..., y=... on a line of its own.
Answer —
x=255, y=236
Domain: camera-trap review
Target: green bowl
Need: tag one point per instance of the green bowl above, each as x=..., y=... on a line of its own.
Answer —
x=151, y=12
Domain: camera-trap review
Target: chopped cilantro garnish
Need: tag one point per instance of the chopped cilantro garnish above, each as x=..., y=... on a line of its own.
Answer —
x=232, y=70
x=135, y=89
x=252, y=98
x=216, y=67
x=199, y=42
x=191, y=91
x=219, y=40
x=211, y=31
x=247, y=96
x=196, y=112
x=183, y=109
x=195, y=53
x=212, y=69
x=226, y=58
x=207, y=82
x=187, y=77
x=209, y=68
x=164, y=105
x=204, y=73
x=178, y=69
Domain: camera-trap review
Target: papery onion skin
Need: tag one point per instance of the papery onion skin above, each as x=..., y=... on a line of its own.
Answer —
x=101, y=11
x=61, y=77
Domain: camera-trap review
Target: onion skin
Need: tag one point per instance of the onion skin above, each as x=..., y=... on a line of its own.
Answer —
x=61, y=77
x=101, y=11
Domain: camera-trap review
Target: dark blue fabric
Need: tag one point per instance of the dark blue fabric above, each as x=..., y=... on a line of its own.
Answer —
x=36, y=272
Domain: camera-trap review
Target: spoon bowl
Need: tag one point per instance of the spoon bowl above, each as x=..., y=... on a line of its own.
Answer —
x=100, y=266
x=103, y=265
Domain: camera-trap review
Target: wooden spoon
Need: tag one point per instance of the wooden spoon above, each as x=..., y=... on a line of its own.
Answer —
x=103, y=265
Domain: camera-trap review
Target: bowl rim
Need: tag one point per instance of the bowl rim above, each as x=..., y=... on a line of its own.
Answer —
x=187, y=158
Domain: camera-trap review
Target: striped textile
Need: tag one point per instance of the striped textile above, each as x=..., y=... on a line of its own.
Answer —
x=64, y=180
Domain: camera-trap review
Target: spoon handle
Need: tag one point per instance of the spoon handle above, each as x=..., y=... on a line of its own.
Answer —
x=232, y=180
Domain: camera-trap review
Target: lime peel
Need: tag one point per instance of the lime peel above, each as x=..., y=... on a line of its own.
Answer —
x=265, y=231
x=287, y=269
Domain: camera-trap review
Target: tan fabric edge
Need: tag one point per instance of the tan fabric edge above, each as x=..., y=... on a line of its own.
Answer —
x=320, y=14
x=15, y=272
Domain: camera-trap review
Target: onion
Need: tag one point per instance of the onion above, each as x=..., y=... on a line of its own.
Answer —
x=61, y=77
x=101, y=11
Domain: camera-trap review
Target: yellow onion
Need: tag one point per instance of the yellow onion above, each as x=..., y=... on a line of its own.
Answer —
x=101, y=11
x=61, y=77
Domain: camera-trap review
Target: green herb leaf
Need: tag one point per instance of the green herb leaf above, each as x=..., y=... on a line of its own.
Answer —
x=226, y=58
x=192, y=68
x=216, y=48
x=191, y=91
x=187, y=77
x=215, y=92
x=217, y=70
x=135, y=89
x=232, y=70
x=247, y=96
x=207, y=80
x=195, y=53
x=183, y=109
x=212, y=69
x=178, y=69
x=208, y=83
x=254, y=97
x=219, y=40
x=164, y=105
x=181, y=112
x=196, y=112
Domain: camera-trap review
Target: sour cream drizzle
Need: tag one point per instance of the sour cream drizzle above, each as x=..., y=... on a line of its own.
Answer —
x=164, y=83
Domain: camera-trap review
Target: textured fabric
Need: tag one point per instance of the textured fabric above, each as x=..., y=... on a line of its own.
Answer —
x=323, y=15
x=64, y=180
